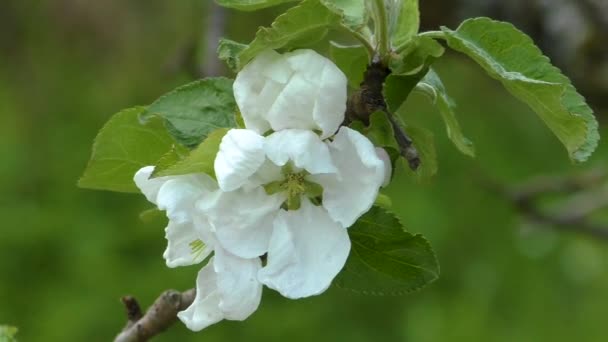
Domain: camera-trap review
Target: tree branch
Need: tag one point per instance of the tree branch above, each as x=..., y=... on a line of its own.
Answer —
x=583, y=198
x=369, y=99
x=160, y=316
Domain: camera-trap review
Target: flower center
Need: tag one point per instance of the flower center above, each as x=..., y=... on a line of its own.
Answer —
x=295, y=185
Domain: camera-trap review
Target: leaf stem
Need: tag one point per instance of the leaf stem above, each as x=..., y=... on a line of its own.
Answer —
x=363, y=40
x=381, y=31
x=433, y=34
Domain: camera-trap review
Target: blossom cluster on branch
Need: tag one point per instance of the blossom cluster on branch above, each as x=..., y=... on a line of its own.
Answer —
x=286, y=187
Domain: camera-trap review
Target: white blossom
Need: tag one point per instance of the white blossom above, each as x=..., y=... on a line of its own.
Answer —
x=227, y=287
x=292, y=195
x=300, y=89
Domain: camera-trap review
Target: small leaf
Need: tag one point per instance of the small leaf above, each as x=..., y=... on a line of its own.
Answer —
x=354, y=14
x=352, y=60
x=175, y=154
x=511, y=57
x=380, y=130
x=405, y=21
x=153, y=215
x=196, y=109
x=123, y=146
x=200, y=160
x=408, y=68
x=250, y=5
x=385, y=259
x=228, y=51
x=418, y=54
x=424, y=141
x=309, y=20
x=432, y=86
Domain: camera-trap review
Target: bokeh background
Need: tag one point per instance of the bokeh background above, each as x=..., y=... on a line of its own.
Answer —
x=67, y=255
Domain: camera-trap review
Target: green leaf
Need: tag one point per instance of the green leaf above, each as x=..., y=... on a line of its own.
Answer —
x=228, y=51
x=175, y=155
x=196, y=109
x=385, y=259
x=353, y=12
x=352, y=60
x=511, y=57
x=153, y=215
x=124, y=145
x=432, y=86
x=405, y=21
x=200, y=160
x=424, y=141
x=408, y=68
x=416, y=56
x=7, y=333
x=250, y=5
x=379, y=132
x=294, y=28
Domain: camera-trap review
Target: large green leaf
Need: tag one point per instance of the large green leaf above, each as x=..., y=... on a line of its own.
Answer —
x=307, y=21
x=385, y=259
x=405, y=21
x=250, y=5
x=352, y=60
x=432, y=86
x=196, y=109
x=123, y=146
x=511, y=57
x=200, y=160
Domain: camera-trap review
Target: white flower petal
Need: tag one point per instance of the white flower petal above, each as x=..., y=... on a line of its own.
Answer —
x=257, y=86
x=304, y=148
x=239, y=289
x=307, y=250
x=205, y=310
x=180, y=237
x=178, y=195
x=300, y=90
x=242, y=219
x=241, y=154
x=149, y=187
x=352, y=192
x=294, y=105
x=388, y=167
x=330, y=88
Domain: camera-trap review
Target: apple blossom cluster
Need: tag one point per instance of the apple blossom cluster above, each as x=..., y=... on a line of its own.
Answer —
x=286, y=187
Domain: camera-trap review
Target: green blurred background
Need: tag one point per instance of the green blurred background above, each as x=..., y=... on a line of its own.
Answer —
x=67, y=255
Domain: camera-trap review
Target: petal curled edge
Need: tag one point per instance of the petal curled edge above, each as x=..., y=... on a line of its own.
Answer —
x=226, y=288
x=204, y=310
x=240, y=155
x=361, y=173
x=304, y=148
x=242, y=219
x=307, y=250
x=238, y=286
x=180, y=251
x=148, y=186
